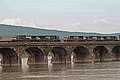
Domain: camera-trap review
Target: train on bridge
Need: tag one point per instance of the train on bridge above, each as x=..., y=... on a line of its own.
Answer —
x=29, y=38
x=55, y=38
x=90, y=38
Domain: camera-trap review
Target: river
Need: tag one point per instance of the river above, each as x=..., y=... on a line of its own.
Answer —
x=73, y=71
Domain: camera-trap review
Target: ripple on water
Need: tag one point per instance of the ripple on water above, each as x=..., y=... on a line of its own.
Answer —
x=96, y=71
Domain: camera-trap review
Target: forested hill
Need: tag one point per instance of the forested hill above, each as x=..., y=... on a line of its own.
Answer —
x=10, y=30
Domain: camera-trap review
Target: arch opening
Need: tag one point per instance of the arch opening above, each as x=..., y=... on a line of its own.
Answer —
x=60, y=54
x=9, y=56
x=116, y=52
x=81, y=53
x=35, y=55
x=101, y=53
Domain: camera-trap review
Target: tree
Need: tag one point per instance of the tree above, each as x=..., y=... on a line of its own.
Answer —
x=48, y=50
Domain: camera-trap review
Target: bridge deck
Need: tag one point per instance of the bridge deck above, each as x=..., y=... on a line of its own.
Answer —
x=7, y=44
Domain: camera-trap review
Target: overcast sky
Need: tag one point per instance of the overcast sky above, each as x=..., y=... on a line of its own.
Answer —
x=70, y=15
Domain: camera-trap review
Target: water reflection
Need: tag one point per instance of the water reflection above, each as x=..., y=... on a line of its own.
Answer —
x=11, y=69
x=77, y=71
x=37, y=67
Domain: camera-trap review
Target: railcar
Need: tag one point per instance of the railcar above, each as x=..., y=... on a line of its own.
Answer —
x=74, y=38
x=28, y=38
x=6, y=38
x=89, y=38
x=21, y=38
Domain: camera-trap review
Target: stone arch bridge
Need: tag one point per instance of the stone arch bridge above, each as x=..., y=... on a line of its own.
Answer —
x=62, y=52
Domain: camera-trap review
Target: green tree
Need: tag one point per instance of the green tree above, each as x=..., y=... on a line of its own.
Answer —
x=48, y=50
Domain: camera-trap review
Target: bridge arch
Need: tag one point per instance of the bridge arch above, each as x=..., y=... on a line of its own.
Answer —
x=81, y=53
x=9, y=56
x=35, y=55
x=116, y=52
x=59, y=54
x=101, y=53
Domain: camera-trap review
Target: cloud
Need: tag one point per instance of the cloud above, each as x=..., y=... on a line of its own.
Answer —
x=104, y=20
x=17, y=22
x=101, y=21
x=74, y=24
x=97, y=25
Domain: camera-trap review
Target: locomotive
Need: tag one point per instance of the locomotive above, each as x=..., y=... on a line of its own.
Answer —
x=29, y=38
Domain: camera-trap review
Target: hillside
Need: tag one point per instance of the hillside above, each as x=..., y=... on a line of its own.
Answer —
x=10, y=30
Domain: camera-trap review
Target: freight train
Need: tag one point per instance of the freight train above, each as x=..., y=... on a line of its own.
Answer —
x=29, y=38
x=54, y=38
x=90, y=38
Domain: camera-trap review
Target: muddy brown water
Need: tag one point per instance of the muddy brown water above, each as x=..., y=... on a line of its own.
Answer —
x=73, y=71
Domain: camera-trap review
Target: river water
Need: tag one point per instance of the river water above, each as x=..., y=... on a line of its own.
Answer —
x=77, y=71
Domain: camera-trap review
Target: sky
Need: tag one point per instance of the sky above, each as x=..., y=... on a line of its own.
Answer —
x=102, y=16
